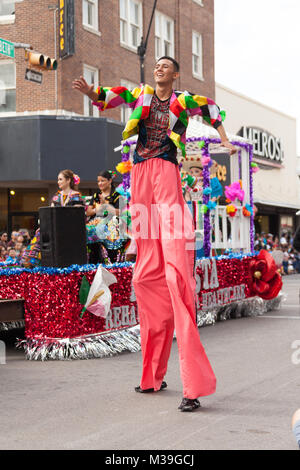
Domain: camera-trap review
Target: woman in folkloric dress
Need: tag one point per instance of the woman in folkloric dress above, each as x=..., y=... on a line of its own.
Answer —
x=67, y=195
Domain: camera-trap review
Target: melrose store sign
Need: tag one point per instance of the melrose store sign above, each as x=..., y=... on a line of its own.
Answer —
x=265, y=145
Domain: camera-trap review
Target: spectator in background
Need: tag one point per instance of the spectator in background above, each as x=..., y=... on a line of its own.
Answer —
x=285, y=262
x=2, y=254
x=296, y=239
x=283, y=240
x=263, y=241
x=296, y=426
x=20, y=239
x=257, y=242
x=13, y=240
x=4, y=239
x=18, y=248
x=12, y=258
x=26, y=236
x=291, y=261
x=296, y=262
x=270, y=241
x=276, y=243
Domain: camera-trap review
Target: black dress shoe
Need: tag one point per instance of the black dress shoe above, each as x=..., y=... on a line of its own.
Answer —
x=149, y=390
x=188, y=404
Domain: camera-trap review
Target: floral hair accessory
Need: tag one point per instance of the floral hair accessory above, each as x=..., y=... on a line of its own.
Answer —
x=76, y=179
x=112, y=173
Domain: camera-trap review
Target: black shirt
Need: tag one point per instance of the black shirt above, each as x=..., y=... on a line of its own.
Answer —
x=113, y=199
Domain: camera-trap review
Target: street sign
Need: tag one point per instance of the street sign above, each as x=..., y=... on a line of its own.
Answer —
x=7, y=48
x=33, y=76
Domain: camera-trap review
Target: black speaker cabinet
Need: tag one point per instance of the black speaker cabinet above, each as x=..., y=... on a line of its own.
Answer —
x=63, y=236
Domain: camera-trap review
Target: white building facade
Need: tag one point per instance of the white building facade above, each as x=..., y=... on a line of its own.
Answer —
x=273, y=134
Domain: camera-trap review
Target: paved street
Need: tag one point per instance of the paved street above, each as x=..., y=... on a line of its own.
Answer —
x=91, y=404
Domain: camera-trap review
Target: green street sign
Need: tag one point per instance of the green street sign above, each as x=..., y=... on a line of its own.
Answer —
x=7, y=48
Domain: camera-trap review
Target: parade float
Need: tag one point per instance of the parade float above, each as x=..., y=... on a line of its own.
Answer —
x=232, y=279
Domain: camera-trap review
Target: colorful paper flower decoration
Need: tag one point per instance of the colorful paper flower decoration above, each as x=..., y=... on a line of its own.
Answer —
x=231, y=210
x=265, y=280
x=126, y=149
x=207, y=191
x=254, y=167
x=205, y=160
x=235, y=191
x=124, y=167
x=211, y=205
x=247, y=210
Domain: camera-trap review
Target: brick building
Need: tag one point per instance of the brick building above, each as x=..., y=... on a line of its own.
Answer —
x=104, y=35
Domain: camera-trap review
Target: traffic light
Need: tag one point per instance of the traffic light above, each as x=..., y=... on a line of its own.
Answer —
x=41, y=60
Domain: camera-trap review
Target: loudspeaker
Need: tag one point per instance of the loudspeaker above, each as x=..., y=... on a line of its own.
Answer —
x=63, y=236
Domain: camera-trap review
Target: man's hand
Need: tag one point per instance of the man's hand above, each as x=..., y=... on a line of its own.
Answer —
x=82, y=86
x=224, y=140
x=229, y=146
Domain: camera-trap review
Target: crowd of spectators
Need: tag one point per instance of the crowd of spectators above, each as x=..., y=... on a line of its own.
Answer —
x=12, y=250
x=290, y=257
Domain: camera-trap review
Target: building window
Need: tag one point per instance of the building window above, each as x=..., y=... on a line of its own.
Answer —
x=126, y=111
x=90, y=14
x=197, y=56
x=91, y=75
x=130, y=23
x=7, y=86
x=164, y=35
x=7, y=8
x=7, y=11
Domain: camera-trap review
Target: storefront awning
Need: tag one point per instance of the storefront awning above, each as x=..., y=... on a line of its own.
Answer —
x=277, y=204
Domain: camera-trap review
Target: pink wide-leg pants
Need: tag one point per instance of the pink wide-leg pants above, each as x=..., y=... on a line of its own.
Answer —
x=163, y=278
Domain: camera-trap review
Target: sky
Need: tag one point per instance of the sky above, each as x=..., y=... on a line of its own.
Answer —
x=257, y=52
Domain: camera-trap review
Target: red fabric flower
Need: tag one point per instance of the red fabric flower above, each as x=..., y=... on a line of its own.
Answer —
x=265, y=280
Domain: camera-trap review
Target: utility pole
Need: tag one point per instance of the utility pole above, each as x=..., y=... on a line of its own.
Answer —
x=55, y=9
x=143, y=47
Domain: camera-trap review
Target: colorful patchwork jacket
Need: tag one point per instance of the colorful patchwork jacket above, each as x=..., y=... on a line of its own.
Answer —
x=182, y=106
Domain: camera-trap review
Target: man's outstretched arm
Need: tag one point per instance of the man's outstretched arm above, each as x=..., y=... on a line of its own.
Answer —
x=224, y=140
x=81, y=85
x=210, y=111
x=107, y=97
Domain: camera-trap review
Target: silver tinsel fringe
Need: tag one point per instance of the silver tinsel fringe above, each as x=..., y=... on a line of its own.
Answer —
x=246, y=308
x=115, y=342
x=86, y=347
x=7, y=326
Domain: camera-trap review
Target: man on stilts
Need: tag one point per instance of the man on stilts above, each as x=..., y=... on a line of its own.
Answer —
x=163, y=278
